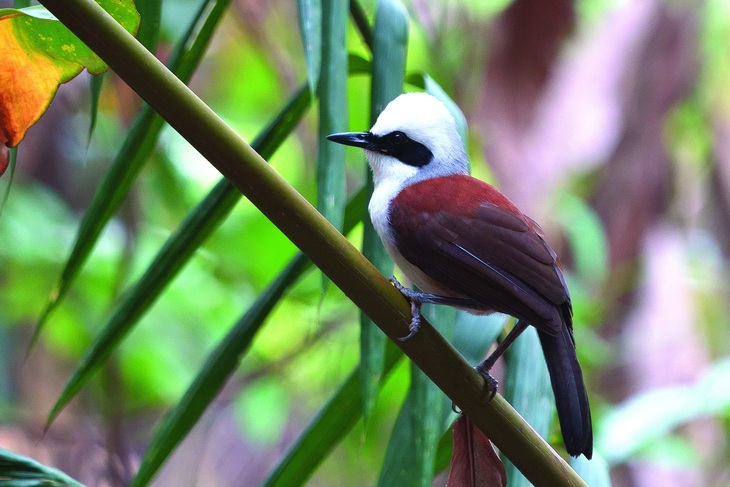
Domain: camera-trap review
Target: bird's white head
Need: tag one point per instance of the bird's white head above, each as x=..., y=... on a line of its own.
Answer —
x=414, y=139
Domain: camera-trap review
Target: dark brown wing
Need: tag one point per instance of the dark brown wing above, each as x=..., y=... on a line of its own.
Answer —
x=471, y=239
x=492, y=256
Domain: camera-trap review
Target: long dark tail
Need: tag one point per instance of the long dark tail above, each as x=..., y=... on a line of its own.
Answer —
x=571, y=398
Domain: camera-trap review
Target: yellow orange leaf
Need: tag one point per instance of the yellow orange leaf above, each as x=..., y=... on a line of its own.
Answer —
x=28, y=84
x=38, y=54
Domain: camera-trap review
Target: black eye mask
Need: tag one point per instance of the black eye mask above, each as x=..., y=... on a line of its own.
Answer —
x=399, y=145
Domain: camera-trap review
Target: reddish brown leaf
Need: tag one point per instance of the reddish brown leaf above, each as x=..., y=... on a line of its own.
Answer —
x=474, y=463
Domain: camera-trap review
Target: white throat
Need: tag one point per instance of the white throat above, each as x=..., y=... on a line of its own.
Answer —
x=389, y=177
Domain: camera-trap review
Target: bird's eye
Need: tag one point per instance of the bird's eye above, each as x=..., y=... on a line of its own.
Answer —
x=398, y=138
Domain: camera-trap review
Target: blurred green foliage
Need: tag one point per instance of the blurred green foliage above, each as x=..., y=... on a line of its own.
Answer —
x=308, y=345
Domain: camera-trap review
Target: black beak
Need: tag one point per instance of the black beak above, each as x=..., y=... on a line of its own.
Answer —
x=355, y=139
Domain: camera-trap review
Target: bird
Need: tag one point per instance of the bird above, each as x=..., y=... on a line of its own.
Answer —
x=465, y=244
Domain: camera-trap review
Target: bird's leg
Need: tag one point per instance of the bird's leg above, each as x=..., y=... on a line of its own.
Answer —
x=417, y=299
x=486, y=365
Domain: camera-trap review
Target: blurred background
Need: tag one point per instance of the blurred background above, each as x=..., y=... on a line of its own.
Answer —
x=606, y=121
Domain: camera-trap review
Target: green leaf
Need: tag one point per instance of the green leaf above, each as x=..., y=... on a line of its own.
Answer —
x=333, y=115
x=587, y=237
x=148, y=34
x=12, y=157
x=595, y=471
x=357, y=12
x=527, y=388
x=654, y=414
x=94, y=91
x=310, y=27
x=19, y=471
x=199, y=224
x=358, y=64
x=472, y=337
x=326, y=430
x=474, y=334
x=411, y=453
x=400, y=465
x=389, y=64
x=215, y=372
x=42, y=34
x=176, y=252
x=390, y=47
x=130, y=159
x=224, y=359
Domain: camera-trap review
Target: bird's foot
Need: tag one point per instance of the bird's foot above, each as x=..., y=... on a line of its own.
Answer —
x=414, y=298
x=491, y=384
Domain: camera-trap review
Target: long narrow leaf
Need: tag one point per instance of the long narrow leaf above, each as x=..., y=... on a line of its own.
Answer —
x=333, y=117
x=472, y=337
x=95, y=85
x=399, y=466
x=148, y=34
x=595, y=472
x=217, y=369
x=19, y=471
x=410, y=457
x=310, y=27
x=390, y=46
x=133, y=154
x=357, y=12
x=150, y=12
x=326, y=430
x=527, y=388
x=389, y=65
x=12, y=155
x=176, y=252
x=201, y=222
x=224, y=359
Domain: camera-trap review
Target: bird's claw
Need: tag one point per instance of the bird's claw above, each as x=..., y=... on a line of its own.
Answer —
x=415, y=321
x=416, y=303
x=491, y=384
